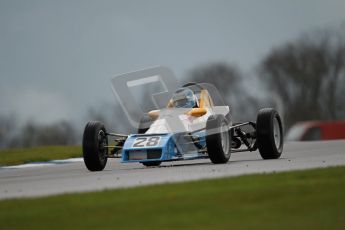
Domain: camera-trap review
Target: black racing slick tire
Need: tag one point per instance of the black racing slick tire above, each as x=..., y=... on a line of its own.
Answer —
x=269, y=129
x=218, y=139
x=95, y=152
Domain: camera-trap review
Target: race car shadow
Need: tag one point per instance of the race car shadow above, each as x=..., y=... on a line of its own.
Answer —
x=165, y=165
x=208, y=162
x=190, y=163
x=185, y=164
x=254, y=160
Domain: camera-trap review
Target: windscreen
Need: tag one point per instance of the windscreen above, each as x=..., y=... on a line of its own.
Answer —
x=150, y=89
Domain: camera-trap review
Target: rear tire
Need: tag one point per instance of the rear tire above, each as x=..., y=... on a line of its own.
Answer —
x=94, y=139
x=218, y=139
x=269, y=131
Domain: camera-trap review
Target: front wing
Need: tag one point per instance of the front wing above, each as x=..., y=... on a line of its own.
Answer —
x=160, y=147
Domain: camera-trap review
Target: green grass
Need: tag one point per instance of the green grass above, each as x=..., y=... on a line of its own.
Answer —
x=313, y=199
x=37, y=154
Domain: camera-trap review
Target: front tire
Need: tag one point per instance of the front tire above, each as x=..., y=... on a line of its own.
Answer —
x=95, y=153
x=269, y=130
x=218, y=140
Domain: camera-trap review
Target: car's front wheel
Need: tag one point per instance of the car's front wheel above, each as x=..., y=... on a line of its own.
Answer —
x=218, y=140
x=95, y=152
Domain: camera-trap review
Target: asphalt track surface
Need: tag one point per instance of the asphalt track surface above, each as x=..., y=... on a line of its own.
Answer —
x=74, y=177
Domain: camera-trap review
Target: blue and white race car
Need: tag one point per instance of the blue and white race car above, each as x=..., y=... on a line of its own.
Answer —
x=195, y=124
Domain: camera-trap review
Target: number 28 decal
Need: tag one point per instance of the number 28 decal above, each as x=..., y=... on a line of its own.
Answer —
x=141, y=142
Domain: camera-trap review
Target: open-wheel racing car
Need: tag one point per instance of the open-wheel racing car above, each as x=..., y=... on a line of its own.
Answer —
x=194, y=124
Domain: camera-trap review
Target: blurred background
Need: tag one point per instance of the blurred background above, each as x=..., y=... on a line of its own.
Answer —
x=57, y=59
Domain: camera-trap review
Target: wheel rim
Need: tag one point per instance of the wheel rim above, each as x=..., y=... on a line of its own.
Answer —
x=277, y=132
x=225, y=137
x=102, y=142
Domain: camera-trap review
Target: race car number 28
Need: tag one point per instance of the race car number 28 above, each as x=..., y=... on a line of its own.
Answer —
x=146, y=142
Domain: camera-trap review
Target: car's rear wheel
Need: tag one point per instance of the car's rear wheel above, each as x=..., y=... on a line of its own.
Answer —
x=95, y=152
x=269, y=129
x=218, y=139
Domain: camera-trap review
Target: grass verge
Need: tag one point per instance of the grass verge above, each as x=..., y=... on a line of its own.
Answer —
x=38, y=154
x=312, y=199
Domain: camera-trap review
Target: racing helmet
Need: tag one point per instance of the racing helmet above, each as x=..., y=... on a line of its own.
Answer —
x=184, y=98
